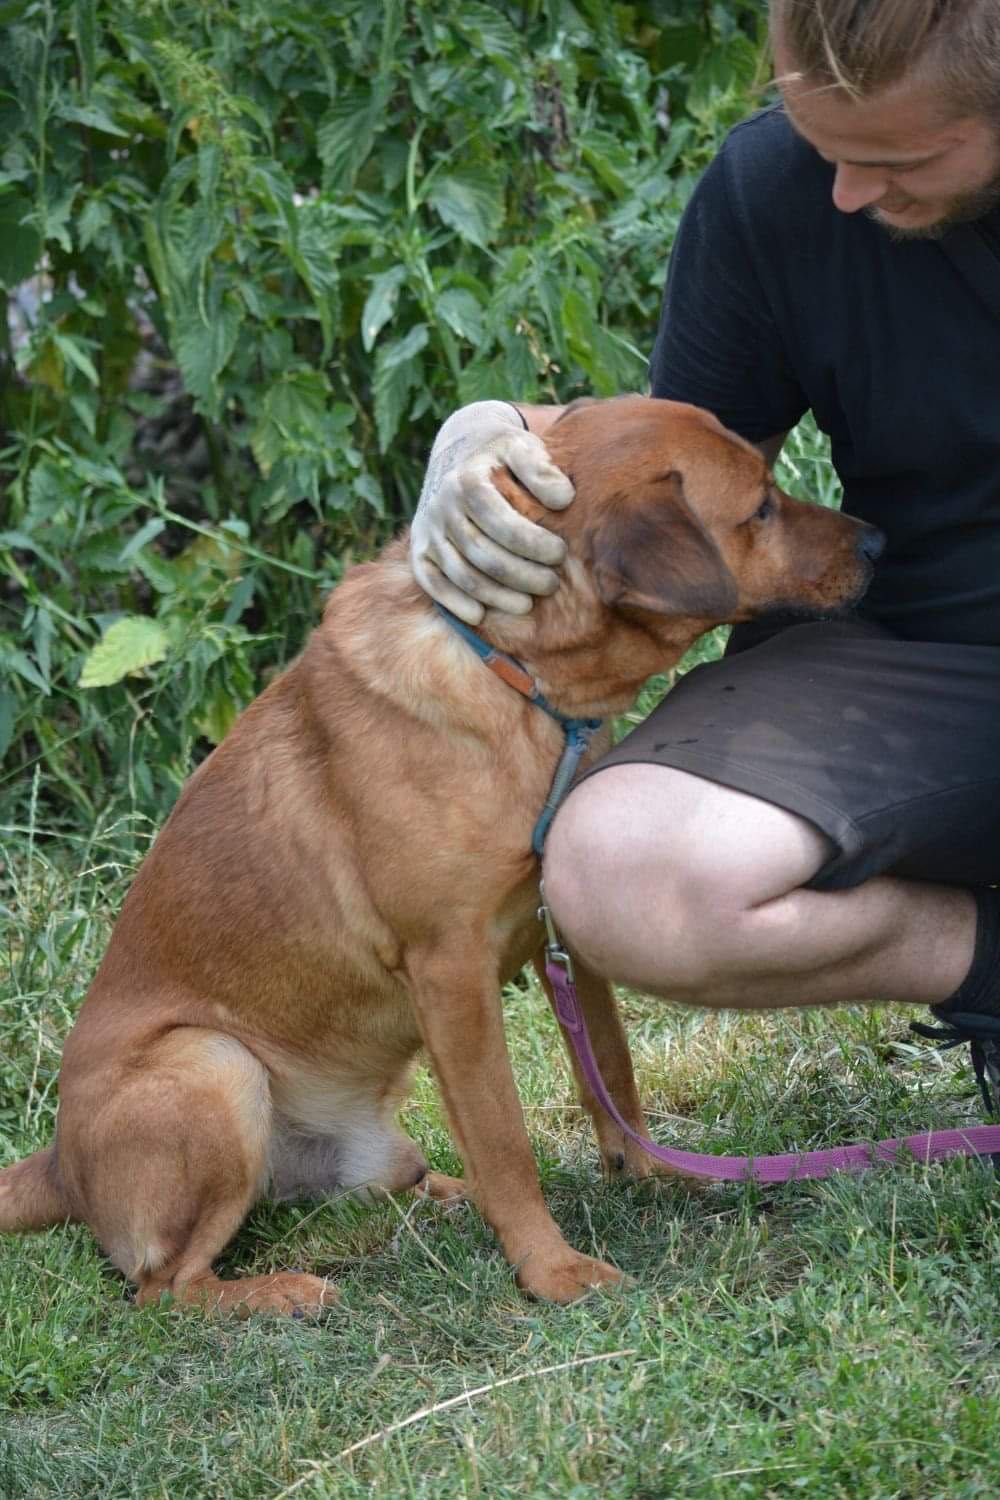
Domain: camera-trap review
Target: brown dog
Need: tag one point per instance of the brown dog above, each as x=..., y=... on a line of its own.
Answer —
x=349, y=877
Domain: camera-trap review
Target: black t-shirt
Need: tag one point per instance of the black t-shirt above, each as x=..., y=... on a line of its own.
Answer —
x=776, y=303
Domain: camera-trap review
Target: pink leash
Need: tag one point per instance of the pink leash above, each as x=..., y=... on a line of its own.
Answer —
x=935, y=1145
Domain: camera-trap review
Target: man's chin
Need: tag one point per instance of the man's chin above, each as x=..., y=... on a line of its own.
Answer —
x=932, y=231
x=963, y=211
x=935, y=230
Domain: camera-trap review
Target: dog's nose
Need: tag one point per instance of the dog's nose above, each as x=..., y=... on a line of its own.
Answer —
x=871, y=543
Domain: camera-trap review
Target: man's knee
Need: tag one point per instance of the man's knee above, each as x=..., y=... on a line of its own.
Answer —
x=612, y=882
x=651, y=874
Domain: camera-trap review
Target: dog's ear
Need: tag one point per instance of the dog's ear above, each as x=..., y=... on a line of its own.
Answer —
x=651, y=552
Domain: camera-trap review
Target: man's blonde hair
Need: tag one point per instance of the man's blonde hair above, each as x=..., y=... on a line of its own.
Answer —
x=863, y=46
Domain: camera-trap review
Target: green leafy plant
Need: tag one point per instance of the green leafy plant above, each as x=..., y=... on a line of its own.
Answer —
x=252, y=254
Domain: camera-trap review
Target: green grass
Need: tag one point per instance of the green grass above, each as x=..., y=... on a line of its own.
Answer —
x=831, y=1339
x=834, y=1339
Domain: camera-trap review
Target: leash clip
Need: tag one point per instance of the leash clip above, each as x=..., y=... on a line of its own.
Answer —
x=554, y=951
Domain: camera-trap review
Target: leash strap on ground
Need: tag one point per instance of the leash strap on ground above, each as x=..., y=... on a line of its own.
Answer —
x=935, y=1145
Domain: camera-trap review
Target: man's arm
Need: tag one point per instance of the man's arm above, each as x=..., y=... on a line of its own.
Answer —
x=721, y=344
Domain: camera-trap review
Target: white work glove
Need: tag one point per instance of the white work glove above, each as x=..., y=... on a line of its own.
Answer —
x=469, y=549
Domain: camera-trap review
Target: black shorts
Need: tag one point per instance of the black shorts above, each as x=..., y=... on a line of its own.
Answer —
x=891, y=747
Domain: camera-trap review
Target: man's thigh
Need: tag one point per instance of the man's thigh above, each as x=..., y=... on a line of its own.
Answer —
x=724, y=849
x=889, y=748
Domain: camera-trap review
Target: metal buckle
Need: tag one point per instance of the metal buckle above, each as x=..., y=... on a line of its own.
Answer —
x=554, y=950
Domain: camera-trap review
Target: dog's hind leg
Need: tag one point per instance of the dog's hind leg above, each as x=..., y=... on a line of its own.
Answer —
x=169, y=1164
x=619, y=1153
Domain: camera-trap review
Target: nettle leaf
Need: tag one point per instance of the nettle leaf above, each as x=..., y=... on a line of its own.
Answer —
x=21, y=663
x=72, y=350
x=346, y=136
x=209, y=169
x=85, y=26
x=50, y=488
x=8, y=706
x=293, y=416
x=92, y=115
x=99, y=553
x=728, y=67
x=95, y=216
x=59, y=214
x=203, y=349
x=608, y=159
x=20, y=244
x=380, y=304
x=19, y=539
x=145, y=534
x=42, y=638
x=520, y=369
x=462, y=313
x=368, y=489
x=271, y=182
x=314, y=252
x=397, y=370
x=469, y=200
x=85, y=407
x=490, y=33
x=217, y=714
x=163, y=574
x=127, y=646
x=611, y=364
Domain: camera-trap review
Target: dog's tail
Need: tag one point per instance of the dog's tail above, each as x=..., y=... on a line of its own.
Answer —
x=30, y=1195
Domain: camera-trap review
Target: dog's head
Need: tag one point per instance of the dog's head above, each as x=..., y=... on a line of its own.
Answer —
x=680, y=517
x=678, y=526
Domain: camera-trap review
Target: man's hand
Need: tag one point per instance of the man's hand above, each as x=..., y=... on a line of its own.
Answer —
x=470, y=549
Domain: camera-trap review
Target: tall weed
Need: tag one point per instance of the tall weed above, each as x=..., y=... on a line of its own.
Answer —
x=251, y=255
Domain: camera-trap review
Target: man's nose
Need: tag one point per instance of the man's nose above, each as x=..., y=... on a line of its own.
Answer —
x=855, y=187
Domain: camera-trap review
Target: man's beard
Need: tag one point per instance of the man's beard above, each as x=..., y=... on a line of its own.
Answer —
x=964, y=210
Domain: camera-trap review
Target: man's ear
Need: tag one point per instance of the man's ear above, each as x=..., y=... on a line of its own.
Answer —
x=651, y=552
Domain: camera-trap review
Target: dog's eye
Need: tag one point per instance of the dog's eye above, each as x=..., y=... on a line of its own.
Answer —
x=765, y=509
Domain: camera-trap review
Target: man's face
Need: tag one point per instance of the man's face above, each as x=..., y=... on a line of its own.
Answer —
x=914, y=169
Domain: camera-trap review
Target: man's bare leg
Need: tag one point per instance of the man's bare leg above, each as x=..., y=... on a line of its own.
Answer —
x=691, y=890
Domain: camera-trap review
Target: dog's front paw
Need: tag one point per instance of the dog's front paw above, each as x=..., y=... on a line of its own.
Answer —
x=566, y=1276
